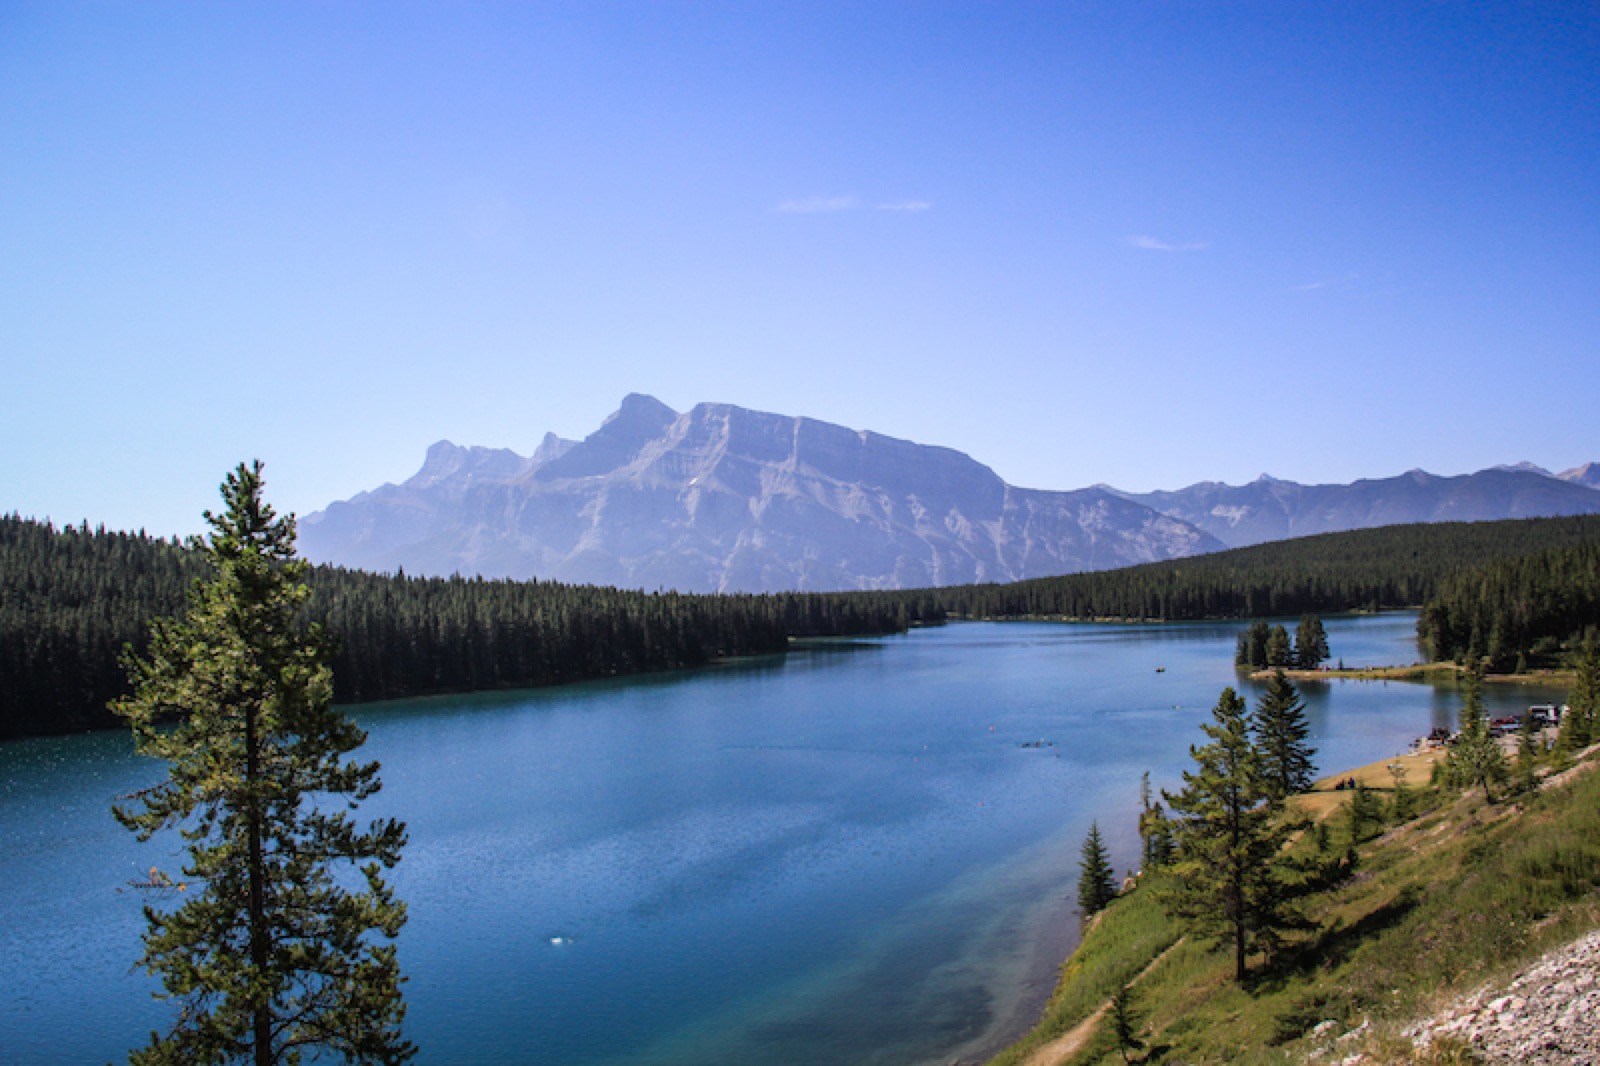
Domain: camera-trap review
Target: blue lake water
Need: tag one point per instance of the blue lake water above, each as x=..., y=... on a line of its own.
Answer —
x=841, y=855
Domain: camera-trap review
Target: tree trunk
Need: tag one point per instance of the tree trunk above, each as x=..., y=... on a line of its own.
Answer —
x=262, y=1021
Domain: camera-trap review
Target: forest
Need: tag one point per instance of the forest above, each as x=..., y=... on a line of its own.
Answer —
x=1517, y=613
x=72, y=599
x=1368, y=569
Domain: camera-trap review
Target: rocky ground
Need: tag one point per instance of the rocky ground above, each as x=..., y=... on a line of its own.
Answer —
x=1548, y=1014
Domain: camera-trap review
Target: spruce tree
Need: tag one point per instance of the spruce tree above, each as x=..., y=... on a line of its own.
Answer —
x=1363, y=815
x=1125, y=1023
x=1280, y=652
x=1580, y=724
x=1228, y=886
x=1281, y=731
x=1475, y=758
x=1400, y=806
x=1155, y=832
x=271, y=957
x=1310, y=642
x=1256, y=639
x=1097, y=884
x=1526, y=777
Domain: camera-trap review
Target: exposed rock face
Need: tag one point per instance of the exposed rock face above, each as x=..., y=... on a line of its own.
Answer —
x=726, y=499
x=1548, y=1015
x=1269, y=509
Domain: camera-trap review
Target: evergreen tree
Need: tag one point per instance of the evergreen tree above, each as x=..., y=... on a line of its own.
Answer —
x=1475, y=758
x=1279, y=651
x=1526, y=779
x=1401, y=805
x=272, y=958
x=1310, y=642
x=1097, y=884
x=1281, y=731
x=1363, y=815
x=1580, y=725
x=1229, y=886
x=1155, y=831
x=1125, y=1023
x=1257, y=637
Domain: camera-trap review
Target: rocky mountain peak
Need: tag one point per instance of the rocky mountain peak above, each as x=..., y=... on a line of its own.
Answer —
x=640, y=420
x=727, y=499
x=1587, y=475
x=446, y=461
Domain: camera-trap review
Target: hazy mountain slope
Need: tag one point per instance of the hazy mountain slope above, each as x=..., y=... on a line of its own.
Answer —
x=1587, y=474
x=1269, y=509
x=722, y=499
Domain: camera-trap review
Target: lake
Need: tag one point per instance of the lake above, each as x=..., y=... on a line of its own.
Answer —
x=859, y=852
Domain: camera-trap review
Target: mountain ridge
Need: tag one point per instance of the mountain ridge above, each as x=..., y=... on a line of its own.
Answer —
x=721, y=498
x=1270, y=509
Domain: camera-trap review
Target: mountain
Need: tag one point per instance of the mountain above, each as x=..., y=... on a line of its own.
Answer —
x=720, y=498
x=1587, y=474
x=1269, y=509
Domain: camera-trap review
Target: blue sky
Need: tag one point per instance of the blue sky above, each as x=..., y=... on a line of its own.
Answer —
x=1136, y=243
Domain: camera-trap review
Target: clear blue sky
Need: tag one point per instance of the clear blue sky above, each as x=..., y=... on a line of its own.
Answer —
x=1138, y=243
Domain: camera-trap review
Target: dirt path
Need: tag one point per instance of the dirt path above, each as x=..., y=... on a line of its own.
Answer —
x=1067, y=1044
x=1073, y=1040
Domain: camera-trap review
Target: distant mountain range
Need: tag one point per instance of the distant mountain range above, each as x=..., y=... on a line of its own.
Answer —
x=720, y=498
x=1269, y=509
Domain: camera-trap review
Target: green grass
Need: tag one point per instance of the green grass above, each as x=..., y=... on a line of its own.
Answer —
x=1460, y=894
x=1121, y=942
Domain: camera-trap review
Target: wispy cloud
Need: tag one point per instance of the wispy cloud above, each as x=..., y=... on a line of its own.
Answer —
x=820, y=205
x=1152, y=244
x=816, y=205
x=1327, y=283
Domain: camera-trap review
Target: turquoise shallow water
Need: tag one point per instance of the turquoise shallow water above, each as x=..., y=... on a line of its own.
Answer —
x=842, y=855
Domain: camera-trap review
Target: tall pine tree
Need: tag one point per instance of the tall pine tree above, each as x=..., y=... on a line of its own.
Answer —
x=1281, y=731
x=1280, y=650
x=1310, y=642
x=1228, y=886
x=273, y=957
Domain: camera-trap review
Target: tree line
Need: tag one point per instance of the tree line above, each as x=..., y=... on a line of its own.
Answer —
x=1517, y=613
x=1368, y=569
x=72, y=599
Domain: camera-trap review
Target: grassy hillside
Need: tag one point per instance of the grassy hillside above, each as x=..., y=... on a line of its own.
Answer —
x=1458, y=893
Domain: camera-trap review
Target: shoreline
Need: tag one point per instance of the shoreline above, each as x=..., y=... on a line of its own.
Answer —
x=1322, y=801
x=1429, y=672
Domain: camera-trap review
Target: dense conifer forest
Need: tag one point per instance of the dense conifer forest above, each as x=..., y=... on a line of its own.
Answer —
x=1518, y=612
x=1368, y=569
x=72, y=599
